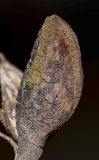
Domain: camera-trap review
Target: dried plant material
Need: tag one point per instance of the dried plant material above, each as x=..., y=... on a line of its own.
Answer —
x=10, y=141
x=10, y=78
x=50, y=88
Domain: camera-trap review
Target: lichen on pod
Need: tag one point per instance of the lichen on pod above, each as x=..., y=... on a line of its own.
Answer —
x=50, y=88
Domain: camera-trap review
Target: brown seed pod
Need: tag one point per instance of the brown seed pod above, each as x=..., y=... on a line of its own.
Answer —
x=50, y=88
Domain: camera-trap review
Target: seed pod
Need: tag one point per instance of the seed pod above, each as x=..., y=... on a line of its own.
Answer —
x=50, y=88
x=10, y=78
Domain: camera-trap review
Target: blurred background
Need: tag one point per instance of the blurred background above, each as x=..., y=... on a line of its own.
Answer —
x=20, y=22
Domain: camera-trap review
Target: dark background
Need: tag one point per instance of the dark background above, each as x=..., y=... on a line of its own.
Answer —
x=20, y=22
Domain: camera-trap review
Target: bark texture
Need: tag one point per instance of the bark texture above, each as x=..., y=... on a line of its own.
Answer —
x=50, y=88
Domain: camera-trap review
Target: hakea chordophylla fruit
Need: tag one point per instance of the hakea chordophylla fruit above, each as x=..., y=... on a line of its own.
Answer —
x=50, y=88
x=10, y=78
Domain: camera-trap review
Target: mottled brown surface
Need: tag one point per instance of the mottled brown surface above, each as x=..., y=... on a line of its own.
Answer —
x=51, y=85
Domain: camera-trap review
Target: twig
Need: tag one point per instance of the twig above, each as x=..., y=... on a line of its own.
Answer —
x=10, y=141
